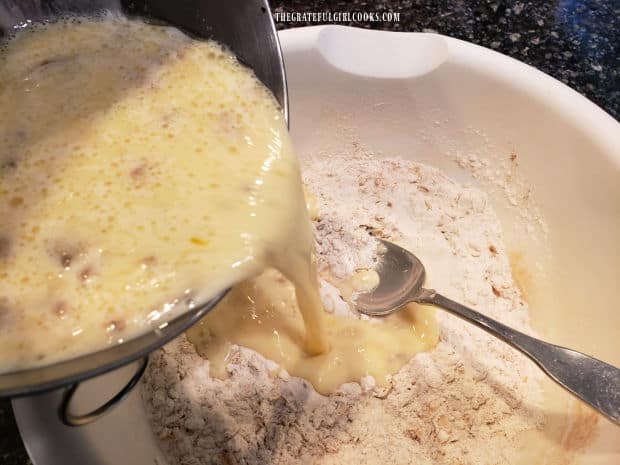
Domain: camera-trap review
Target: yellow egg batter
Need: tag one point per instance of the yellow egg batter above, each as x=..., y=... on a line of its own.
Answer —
x=141, y=172
x=262, y=314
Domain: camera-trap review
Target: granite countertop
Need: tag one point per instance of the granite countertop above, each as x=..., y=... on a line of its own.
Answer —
x=575, y=41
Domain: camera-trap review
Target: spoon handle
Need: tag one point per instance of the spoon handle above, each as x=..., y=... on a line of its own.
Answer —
x=595, y=382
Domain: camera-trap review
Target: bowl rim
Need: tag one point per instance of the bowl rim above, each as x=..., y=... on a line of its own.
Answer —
x=599, y=126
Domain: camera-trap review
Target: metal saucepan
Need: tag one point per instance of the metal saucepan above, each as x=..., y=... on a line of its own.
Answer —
x=247, y=28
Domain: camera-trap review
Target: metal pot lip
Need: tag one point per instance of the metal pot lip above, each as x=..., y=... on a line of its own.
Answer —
x=63, y=373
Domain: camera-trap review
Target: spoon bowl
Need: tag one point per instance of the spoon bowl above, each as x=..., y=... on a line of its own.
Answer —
x=401, y=277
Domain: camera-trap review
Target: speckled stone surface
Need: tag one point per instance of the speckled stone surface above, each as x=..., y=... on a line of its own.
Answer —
x=575, y=41
x=11, y=448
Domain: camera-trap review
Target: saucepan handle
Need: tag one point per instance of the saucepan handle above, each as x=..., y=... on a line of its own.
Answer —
x=70, y=419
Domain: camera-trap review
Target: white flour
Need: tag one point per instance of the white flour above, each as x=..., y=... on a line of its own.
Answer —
x=462, y=403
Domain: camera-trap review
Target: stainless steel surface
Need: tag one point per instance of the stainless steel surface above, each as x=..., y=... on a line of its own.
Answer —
x=246, y=27
x=401, y=277
x=121, y=437
x=69, y=418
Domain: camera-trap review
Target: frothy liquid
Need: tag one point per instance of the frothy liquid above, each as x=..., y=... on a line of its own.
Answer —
x=141, y=172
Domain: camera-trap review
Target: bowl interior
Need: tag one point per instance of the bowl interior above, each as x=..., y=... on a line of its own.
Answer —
x=548, y=159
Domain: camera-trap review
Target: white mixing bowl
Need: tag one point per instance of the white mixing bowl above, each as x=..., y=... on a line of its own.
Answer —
x=548, y=157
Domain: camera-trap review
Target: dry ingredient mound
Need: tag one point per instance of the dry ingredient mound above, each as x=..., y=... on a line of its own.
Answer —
x=462, y=403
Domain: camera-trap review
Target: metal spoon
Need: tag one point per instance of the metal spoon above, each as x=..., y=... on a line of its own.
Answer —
x=401, y=276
